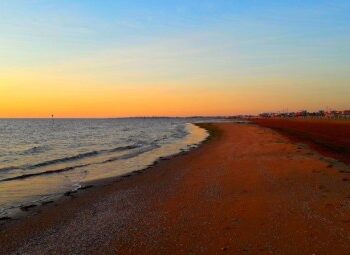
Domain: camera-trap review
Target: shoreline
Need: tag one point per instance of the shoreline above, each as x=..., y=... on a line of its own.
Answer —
x=34, y=207
x=25, y=216
x=209, y=200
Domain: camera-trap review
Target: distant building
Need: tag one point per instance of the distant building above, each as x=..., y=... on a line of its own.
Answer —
x=318, y=114
x=302, y=113
x=346, y=113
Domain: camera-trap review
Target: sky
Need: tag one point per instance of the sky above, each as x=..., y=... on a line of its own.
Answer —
x=172, y=58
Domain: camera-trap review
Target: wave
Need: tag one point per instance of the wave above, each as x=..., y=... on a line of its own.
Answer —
x=8, y=168
x=128, y=147
x=24, y=176
x=133, y=154
x=71, y=158
x=34, y=150
x=62, y=160
x=180, y=132
x=122, y=157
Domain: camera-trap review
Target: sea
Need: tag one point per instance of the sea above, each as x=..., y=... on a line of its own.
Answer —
x=42, y=159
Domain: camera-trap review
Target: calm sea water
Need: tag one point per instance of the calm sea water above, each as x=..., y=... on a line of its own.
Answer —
x=42, y=158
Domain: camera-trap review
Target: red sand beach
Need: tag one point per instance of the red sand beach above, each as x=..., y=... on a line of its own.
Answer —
x=248, y=190
x=329, y=137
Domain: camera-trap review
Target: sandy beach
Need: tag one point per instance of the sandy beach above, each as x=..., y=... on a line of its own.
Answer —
x=247, y=190
x=328, y=137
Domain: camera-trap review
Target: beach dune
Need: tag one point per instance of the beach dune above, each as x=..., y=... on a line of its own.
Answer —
x=248, y=190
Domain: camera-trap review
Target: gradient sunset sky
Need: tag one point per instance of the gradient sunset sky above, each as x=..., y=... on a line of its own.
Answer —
x=176, y=58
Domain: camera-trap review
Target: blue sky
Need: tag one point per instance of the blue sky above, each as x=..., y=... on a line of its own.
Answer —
x=315, y=28
x=296, y=46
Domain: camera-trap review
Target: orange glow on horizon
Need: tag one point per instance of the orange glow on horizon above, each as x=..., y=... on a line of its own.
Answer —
x=121, y=59
x=32, y=95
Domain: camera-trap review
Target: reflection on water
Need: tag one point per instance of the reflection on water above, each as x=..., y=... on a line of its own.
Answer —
x=41, y=159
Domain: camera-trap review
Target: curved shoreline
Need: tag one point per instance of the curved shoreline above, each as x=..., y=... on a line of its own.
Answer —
x=213, y=199
x=22, y=210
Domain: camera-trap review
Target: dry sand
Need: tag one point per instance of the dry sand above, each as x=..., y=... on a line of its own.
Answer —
x=249, y=190
x=329, y=137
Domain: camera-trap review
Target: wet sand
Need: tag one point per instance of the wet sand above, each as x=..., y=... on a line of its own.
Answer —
x=248, y=190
